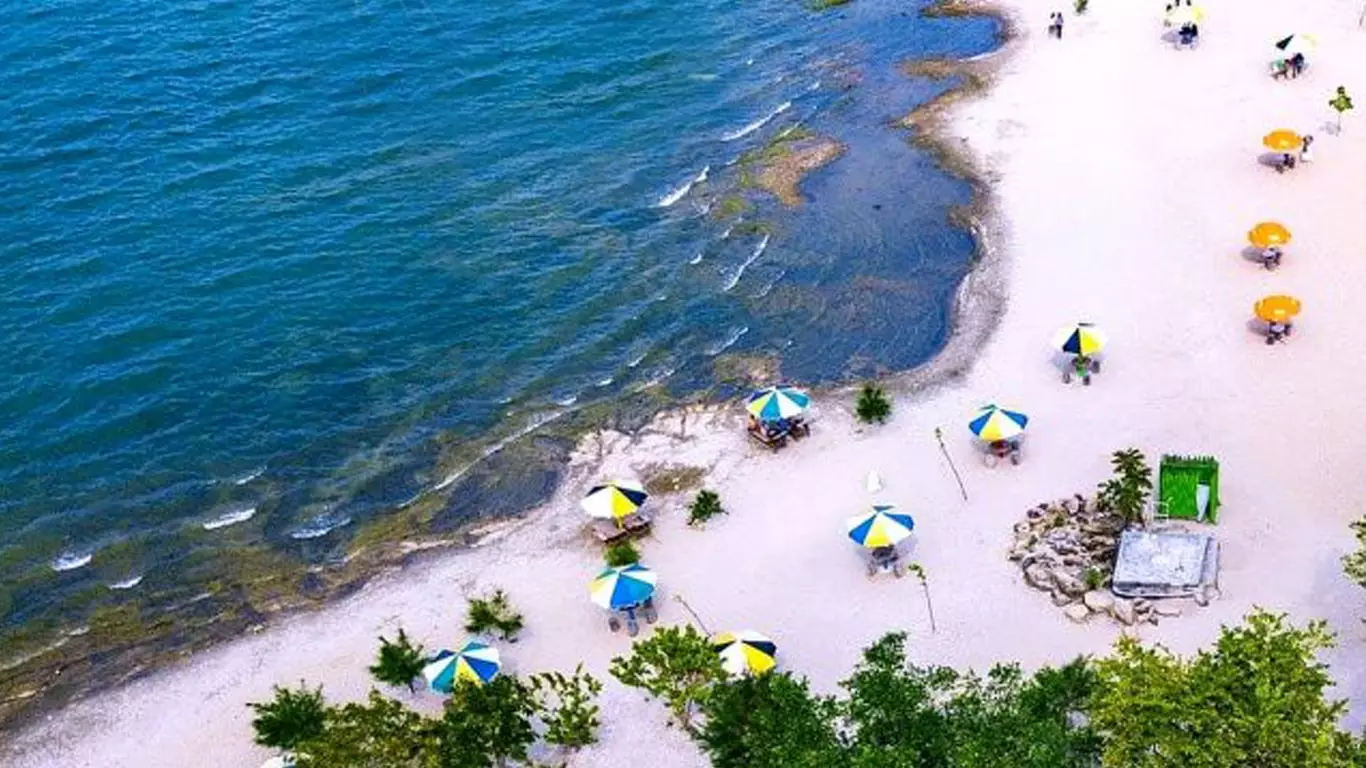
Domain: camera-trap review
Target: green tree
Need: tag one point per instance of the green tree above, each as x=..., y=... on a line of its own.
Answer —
x=1128, y=491
x=399, y=662
x=1256, y=699
x=770, y=721
x=893, y=708
x=293, y=716
x=677, y=665
x=381, y=733
x=1010, y=720
x=621, y=554
x=873, y=405
x=568, y=707
x=1355, y=563
x=485, y=726
x=706, y=506
x=1341, y=102
x=494, y=614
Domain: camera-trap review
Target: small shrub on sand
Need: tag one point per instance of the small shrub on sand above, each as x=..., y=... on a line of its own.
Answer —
x=676, y=665
x=494, y=615
x=1095, y=578
x=622, y=554
x=399, y=662
x=1127, y=492
x=873, y=405
x=568, y=707
x=292, y=717
x=706, y=506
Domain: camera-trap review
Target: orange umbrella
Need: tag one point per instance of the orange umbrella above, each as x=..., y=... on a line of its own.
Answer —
x=1268, y=233
x=1277, y=309
x=1282, y=140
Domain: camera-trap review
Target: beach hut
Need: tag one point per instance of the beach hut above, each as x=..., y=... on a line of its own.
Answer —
x=475, y=663
x=745, y=652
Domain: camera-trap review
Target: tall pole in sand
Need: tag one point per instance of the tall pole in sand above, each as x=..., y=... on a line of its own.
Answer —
x=679, y=599
x=939, y=435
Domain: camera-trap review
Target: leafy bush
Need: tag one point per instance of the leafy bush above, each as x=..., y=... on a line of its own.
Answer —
x=1256, y=698
x=1080, y=5
x=567, y=706
x=1128, y=491
x=770, y=721
x=485, y=725
x=677, y=665
x=706, y=506
x=873, y=405
x=494, y=614
x=380, y=733
x=1354, y=564
x=290, y=718
x=399, y=662
x=1341, y=103
x=621, y=554
x=1095, y=578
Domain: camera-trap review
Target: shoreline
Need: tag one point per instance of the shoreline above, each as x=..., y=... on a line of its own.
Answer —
x=1180, y=381
x=395, y=543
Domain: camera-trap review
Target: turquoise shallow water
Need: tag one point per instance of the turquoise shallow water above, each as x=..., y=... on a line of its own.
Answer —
x=258, y=262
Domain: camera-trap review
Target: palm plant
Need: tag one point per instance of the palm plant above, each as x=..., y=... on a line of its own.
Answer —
x=399, y=662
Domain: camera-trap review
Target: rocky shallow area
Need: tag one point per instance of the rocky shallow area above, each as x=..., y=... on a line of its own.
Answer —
x=1067, y=548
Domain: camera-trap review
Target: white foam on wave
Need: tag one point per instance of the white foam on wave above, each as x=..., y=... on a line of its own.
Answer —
x=70, y=561
x=696, y=259
x=128, y=583
x=728, y=342
x=567, y=401
x=769, y=286
x=638, y=359
x=231, y=517
x=726, y=235
x=248, y=477
x=757, y=124
x=705, y=77
x=535, y=422
x=319, y=527
x=683, y=190
x=607, y=382
x=739, y=273
x=815, y=86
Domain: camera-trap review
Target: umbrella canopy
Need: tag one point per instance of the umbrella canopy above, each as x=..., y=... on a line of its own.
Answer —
x=883, y=527
x=1080, y=339
x=1186, y=14
x=1282, y=140
x=1294, y=44
x=475, y=663
x=780, y=402
x=618, y=588
x=1268, y=233
x=745, y=652
x=1277, y=309
x=614, y=500
x=994, y=423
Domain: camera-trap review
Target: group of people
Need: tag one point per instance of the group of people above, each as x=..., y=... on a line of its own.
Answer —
x=1288, y=68
x=1188, y=34
x=1305, y=155
x=1055, y=24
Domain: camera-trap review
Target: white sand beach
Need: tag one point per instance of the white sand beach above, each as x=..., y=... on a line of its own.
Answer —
x=1126, y=177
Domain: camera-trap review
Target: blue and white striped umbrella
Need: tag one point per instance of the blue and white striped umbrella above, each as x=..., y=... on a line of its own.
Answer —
x=618, y=588
x=994, y=423
x=780, y=402
x=476, y=663
x=883, y=527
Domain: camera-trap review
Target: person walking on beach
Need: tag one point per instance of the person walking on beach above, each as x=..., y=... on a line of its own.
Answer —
x=1055, y=24
x=1306, y=156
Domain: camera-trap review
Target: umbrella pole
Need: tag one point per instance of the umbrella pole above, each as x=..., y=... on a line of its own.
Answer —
x=679, y=599
x=939, y=435
x=925, y=585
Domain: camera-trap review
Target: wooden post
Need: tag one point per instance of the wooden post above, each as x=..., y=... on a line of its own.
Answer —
x=939, y=435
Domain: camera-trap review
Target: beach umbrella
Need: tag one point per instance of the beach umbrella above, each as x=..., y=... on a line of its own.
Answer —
x=618, y=588
x=475, y=663
x=1186, y=14
x=1294, y=44
x=1267, y=234
x=1282, y=140
x=1277, y=309
x=745, y=652
x=882, y=527
x=1080, y=339
x=780, y=402
x=994, y=423
x=614, y=500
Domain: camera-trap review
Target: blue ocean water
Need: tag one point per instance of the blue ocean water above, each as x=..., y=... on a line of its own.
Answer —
x=259, y=259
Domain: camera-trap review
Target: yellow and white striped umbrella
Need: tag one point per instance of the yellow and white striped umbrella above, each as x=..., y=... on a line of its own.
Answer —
x=883, y=527
x=745, y=652
x=614, y=500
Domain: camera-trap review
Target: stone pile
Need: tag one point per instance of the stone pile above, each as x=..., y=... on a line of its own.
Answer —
x=1067, y=549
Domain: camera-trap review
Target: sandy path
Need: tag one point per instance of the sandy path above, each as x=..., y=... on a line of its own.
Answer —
x=1127, y=176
